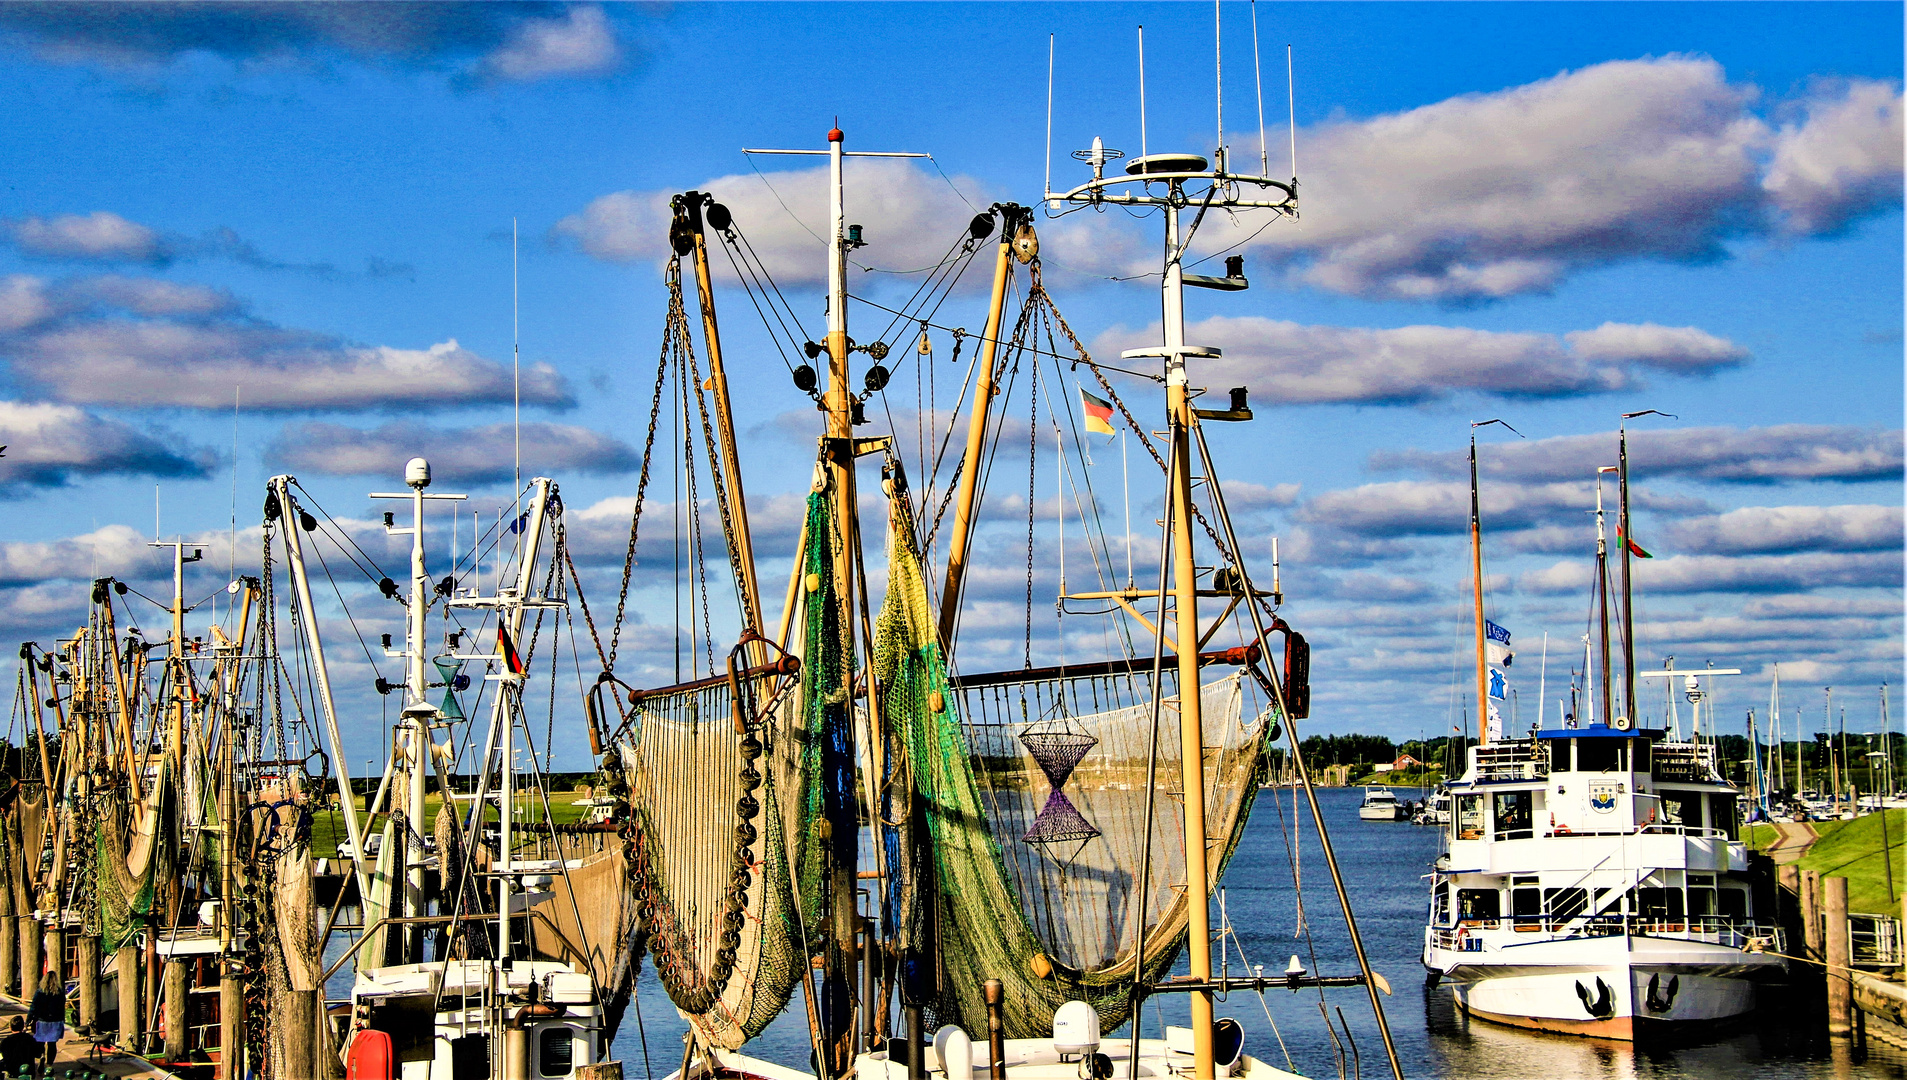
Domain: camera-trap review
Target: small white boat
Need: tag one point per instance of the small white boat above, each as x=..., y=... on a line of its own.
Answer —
x=1380, y=804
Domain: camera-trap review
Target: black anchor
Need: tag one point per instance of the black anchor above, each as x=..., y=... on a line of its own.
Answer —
x=1604, y=1006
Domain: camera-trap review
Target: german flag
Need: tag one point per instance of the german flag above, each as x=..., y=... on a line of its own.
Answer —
x=1098, y=413
x=511, y=658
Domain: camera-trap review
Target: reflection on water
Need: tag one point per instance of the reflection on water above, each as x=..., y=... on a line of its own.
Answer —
x=1383, y=863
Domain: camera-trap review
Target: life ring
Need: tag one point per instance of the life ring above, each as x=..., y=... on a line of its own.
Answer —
x=1463, y=939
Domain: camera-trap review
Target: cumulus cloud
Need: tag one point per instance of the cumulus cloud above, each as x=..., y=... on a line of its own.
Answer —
x=1780, y=529
x=143, y=343
x=101, y=235
x=578, y=42
x=1488, y=195
x=1726, y=574
x=1438, y=508
x=46, y=445
x=1842, y=162
x=518, y=41
x=910, y=217
x=1755, y=455
x=112, y=551
x=473, y=455
x=1292, y=363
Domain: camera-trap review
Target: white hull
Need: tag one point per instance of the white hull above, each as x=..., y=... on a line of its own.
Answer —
x=1026, y=1059
x=1609, y=987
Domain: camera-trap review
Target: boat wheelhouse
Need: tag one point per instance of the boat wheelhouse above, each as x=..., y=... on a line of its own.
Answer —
x=1594, y=883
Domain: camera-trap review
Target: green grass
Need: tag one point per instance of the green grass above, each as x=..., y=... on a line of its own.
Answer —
x=1852, y=849
x=1759, y=837
x=328, y=831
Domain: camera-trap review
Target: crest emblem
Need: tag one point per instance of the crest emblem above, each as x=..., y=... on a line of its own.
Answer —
x=1602, y=796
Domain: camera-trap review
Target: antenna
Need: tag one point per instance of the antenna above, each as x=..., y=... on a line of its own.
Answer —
x=1291, y=103
x=516, y=368
x=232, y=571
x=1218, y=73
x=1142, y=90
x=1048, y=189
x=1258, y=78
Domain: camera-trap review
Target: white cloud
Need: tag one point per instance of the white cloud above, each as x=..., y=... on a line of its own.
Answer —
x=112, y=551
x=1286, y=362
x=1843, y=162
x=1777, y=529
x=1755, y=455
x=1438, y=508
x=101, y=235
x=909, y=216
x=23, y=302
x=47, y=445
x=1488, y=195
x=578, y=42
x=1723, y=573
x=473, y=455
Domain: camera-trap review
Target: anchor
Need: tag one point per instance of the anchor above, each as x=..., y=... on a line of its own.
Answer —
x=1604, y=1006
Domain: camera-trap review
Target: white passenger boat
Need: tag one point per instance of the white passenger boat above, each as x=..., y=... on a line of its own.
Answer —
x=1592, y=881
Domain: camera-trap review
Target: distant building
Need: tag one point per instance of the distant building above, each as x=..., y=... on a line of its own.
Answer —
x=1405, y=762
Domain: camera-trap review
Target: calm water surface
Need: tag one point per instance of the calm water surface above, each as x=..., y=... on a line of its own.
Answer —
x=1383, y=864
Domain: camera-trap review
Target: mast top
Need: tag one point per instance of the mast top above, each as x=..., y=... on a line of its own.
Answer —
x=1166, y=163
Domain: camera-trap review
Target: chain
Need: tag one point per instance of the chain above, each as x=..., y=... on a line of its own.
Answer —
x=678, y=316
x=1032, y=477
x=642, y=490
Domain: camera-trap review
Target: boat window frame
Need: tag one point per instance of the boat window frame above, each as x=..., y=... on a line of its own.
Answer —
x=1619, y=747
x=544, y=1046
x=1523, y=830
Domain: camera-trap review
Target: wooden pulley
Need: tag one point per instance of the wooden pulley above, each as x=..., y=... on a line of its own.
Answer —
x=1026, y=243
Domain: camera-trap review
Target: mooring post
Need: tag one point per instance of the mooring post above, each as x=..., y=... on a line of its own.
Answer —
x=1839, y=952
x=996, y=1029
x=1811, y=913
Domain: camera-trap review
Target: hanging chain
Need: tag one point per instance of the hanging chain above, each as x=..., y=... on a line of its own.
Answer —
x=1032, y=476
x=642, y=483
x=678, y=314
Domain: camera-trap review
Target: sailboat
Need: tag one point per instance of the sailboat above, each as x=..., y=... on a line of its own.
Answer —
x=1593, y=880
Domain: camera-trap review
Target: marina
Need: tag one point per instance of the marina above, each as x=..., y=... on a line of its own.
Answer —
x=1089, y=657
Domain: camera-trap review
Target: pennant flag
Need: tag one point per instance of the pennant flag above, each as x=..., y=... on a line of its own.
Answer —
x=508, y=649
x=1495, y=724
x=1634, y=548
x=1499, y=686
x=1495, y=633
x=1098, y=413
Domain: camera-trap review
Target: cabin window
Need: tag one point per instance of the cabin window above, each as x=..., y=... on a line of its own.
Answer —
x=554, y=1047
x=1701, y=897
x=1514, y=814
x=1658, y=905
x=1469, y=817
x=1566, y=904
x=1559, y=755
x=1734, y=904
x=1639, y=754
x=1526, y=901
x=1682, y=809
x=1599, y=755
x=1721, y=814
x=1475, y=904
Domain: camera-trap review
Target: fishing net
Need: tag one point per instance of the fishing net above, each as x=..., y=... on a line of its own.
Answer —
x=127, y=858
x=1034, y=797
x=725, y=822
x=590, y=921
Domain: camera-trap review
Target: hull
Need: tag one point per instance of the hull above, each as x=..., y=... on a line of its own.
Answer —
x=1609, y=988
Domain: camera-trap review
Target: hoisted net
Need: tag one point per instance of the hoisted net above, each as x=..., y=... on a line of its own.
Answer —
x=1052, y=918
x=128, y=855
x=725, y=825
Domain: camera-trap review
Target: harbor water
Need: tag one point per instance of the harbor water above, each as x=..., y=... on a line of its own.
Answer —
x=1382, y=863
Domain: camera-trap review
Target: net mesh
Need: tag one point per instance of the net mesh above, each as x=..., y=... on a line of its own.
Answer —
x=1053, y=919
x=726, y=824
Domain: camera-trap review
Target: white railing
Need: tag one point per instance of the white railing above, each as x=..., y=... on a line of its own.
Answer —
x=1480, y=935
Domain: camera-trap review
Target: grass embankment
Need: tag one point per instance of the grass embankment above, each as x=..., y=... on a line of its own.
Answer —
x=1853, y=850
x=328, y=831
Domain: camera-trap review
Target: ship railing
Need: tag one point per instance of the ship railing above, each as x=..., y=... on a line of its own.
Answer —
x=1479, y=935
x=1874, y=940
x=1682, y=761
x=1522, y=760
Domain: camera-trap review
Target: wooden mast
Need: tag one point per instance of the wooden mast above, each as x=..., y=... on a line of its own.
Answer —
x=737, y=535
x=1627, y=538
x=984, y=390
x=1602, y=598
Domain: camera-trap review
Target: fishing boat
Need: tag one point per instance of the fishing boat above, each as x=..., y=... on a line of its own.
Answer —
x=1593, y=880
x=1044, y=840
x=1380, y=804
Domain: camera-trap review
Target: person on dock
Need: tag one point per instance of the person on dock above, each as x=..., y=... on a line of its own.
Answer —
x=18, y=1050
x=48, y=1014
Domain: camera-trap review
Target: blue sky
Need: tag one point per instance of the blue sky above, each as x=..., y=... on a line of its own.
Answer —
x=1552, y=213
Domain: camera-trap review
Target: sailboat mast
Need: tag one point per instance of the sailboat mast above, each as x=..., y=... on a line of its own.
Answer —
x=1476, y=575
x=417, y=477
x=1624, y=533
x=1602, y=595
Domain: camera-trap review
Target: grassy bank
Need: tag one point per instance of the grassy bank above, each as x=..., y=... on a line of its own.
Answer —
x=328, y=831
x=1853, y=850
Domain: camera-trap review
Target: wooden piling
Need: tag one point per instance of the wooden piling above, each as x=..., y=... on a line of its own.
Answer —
x=30, y=963
x=126, y=963
x=88, y=948
x=9, y=953
x=175, y=993
x=297, y=1030
x=1811, y=913
x=1839, y=951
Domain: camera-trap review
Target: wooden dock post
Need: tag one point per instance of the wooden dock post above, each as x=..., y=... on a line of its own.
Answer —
x=1839, y=952
x=175, y=993
x=88, y=946
x=126, y=961
x=29, y=938
x=1811, y=913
